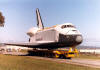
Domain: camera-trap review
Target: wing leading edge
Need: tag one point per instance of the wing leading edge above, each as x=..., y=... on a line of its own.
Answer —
x=32, y=45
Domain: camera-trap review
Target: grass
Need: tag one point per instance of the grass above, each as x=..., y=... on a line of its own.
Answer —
x=8, y=62
x=24, y=51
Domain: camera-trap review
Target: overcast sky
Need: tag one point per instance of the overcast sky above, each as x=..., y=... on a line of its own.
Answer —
x=20, y=16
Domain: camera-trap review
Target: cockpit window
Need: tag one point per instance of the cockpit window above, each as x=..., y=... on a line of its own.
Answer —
x=65, y=26
x=70, y=26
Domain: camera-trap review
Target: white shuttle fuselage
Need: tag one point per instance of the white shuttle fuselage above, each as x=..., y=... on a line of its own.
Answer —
x=64, y=35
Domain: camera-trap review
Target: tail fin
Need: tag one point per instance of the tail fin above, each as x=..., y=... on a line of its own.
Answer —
x=39, y=20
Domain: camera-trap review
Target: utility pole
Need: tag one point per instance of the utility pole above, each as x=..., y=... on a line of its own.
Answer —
x=2, y=20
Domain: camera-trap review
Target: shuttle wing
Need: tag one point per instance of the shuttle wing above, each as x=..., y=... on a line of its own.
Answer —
x=22, y=44
x=32, y=45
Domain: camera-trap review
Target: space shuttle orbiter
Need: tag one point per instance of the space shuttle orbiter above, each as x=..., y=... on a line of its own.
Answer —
x=58, y=36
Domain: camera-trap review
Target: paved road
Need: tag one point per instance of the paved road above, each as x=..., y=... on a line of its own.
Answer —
x=81, y=62
x=85, y=62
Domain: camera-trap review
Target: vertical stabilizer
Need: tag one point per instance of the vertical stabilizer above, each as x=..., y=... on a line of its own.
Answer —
x=39, y=20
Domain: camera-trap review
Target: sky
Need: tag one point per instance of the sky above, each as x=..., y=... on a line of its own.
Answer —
x=20, y=16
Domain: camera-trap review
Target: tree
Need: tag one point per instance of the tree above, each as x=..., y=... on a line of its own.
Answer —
x=2, y=19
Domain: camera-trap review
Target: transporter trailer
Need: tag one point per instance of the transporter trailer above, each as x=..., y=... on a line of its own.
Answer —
x=57, y=53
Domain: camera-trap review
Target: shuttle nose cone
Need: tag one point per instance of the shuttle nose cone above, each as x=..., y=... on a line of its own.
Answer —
x=79, y=38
